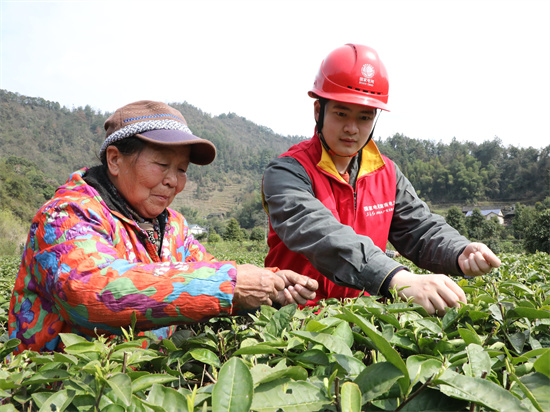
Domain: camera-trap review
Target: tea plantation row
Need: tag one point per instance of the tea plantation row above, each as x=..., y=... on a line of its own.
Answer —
x=492, y=354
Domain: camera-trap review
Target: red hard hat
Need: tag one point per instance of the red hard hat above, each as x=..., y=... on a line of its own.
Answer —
x=353, y=74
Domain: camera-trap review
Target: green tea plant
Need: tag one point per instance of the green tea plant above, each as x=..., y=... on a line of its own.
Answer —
x=246, y=252
x=8, y=270
x=363, y=354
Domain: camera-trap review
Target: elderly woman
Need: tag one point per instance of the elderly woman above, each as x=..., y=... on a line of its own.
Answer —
x=107, y=246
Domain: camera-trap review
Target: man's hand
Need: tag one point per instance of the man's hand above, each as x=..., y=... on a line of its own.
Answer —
x=256, y=286
x=298, y=288
x=434, y=293
x=477, y=259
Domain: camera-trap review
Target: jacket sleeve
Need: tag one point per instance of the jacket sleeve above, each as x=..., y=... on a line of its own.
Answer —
x=82, y=268
x=306, y=226
x=421, y=236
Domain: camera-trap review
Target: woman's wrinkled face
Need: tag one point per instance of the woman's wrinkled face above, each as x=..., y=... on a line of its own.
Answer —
x=149, y=180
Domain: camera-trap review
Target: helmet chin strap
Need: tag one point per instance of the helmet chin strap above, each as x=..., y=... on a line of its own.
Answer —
x=320, y=122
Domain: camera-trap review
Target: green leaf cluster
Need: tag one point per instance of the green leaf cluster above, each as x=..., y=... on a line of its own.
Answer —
x=363, y=354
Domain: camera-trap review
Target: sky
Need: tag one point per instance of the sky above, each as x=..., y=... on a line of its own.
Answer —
x=473, y=70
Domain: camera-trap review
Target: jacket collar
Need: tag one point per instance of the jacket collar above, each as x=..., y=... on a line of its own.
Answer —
x=370, y=159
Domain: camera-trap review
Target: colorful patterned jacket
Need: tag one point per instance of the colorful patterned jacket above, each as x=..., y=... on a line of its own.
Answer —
x=86, y=268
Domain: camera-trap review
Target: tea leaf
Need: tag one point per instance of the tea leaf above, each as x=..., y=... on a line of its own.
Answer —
x=529, y=394
x=344, y=332
x=480, y=391
x=332, y=343
x=529, y=313
x=479, y=361
x=259, y=349
x=350, y=398
x=289, y=396
x=538, y=385
x=47, y=376
x=542, y=364
x=281, y=320
x=377, y=379
x=166, y=398
x=121, y=384
x=469, y=336
x=313, y=356
x=58, y=401
x=382, y=345
x=205, y=356
x=352, y=366
x=422, y=367
x=233, y=391
x=263, y=374
x=146, y=381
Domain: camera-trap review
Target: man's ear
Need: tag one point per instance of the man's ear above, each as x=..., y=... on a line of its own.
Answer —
x=113, y=157
x=316, y=110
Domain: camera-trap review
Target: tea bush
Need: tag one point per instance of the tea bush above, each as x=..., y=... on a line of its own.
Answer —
x=363, y=354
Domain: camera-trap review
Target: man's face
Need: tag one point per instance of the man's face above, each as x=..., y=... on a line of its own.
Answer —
x=346, y=126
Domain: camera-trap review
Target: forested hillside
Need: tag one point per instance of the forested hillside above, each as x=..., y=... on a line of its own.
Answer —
x=468, y=172
x=60, y=140
x=41, y=143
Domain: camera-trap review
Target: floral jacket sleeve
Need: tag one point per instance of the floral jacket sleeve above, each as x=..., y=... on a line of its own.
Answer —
x=86, y=269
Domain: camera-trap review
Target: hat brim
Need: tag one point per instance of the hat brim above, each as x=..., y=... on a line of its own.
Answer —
x=351, y=98
x=203, y=152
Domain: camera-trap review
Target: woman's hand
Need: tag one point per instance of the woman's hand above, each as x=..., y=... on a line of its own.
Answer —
x=256, y=286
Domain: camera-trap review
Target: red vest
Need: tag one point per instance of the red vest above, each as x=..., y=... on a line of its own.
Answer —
x=371, y=216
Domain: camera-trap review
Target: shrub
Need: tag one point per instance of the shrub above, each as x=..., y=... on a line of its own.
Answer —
x=363, y=354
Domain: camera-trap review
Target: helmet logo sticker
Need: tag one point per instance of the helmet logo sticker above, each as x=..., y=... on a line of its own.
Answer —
x=368, y=73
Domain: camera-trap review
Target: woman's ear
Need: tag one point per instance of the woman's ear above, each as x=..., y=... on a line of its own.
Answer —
x=113, y=157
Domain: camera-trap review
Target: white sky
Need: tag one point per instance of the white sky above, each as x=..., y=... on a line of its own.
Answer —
x=470, y=69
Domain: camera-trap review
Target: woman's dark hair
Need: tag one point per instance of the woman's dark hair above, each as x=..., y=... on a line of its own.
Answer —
x=129, y=146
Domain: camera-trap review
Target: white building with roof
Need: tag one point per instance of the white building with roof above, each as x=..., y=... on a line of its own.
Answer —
x=489, y=213
x=197, y=230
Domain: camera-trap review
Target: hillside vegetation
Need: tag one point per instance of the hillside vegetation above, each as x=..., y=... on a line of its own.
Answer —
x=42, y=143
x=60, y=140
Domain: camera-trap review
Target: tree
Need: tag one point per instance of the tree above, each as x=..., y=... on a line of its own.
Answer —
x=213, y=237
x=537, y=236
x=191, y=214
x=492, y=228
x=233, y=231
x=12, y=234
x=523, y=219
x=251, y=213
x=456, y=219
x=475, y=224
x=257, y=234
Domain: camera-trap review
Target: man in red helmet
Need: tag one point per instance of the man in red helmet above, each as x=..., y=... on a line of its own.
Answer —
x=334, y=201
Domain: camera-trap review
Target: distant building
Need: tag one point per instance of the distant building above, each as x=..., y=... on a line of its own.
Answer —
x=509, y=213
x=489, y=214
x=219, y=215
x=197, y=230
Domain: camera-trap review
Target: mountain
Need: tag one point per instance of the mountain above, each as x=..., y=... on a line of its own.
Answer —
x=41, y=143
x=59, y=141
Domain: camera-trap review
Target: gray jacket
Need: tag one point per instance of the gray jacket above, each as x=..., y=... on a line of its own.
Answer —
x=306, y=226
